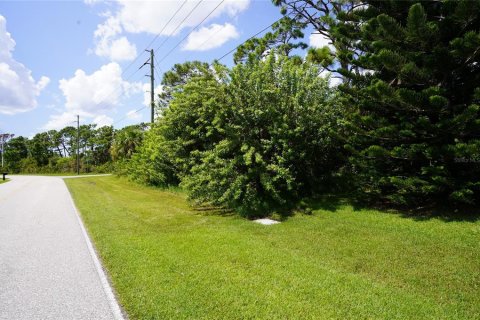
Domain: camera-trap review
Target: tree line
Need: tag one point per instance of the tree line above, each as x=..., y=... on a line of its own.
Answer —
x=55, y=151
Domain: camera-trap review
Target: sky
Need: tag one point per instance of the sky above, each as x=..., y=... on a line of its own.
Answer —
x=60, y=59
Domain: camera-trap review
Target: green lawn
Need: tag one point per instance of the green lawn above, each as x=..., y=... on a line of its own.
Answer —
x=168, y=261
x=3, y=181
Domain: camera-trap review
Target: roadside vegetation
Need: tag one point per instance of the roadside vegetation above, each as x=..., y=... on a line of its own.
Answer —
x=169, y=261
x=3, y=181
x=398, y=130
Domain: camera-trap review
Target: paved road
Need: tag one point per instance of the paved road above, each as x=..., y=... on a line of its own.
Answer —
x=47, y=269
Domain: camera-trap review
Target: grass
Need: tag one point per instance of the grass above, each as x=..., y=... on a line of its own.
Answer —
x=168, y=261
x=3, y=181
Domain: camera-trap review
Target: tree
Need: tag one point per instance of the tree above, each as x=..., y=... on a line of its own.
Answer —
x=174, y=79
x=278, y=142
x=281, y=40
x=126, y=141
x=4, y=138
x=187, y=128
x=416, y=124
x=323, y=16
x=102, y=142
x=39, y=148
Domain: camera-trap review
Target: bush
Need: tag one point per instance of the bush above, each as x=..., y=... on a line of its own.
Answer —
x=279, y=142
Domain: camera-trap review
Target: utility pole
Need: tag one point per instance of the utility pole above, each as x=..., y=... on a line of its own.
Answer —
x=152, y=83
x=78, y=144
x=3, y=139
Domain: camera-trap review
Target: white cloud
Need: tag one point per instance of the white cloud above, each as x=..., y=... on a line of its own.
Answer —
x=60, y=121
x=151, y=16
x=108, y=44
x=334, y=79
x=103, y=120
x=18, y=89
x=319, y=40
x=95, y=93
x=211, y=37
x=92, y=96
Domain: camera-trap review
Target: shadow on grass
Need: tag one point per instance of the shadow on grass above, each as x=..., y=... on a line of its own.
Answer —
x=207, y=210
x=333, y=203
x=446, y=214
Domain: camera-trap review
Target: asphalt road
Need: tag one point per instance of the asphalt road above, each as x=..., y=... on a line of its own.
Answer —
x=48, y=269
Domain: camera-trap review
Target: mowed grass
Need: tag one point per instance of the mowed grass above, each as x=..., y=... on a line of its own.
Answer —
x=3, y=181
x=168, y=261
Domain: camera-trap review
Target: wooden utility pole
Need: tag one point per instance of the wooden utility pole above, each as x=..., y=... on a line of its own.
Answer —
x=3, y=139
x=78, y=144
x=152, y=85
x=151, y=61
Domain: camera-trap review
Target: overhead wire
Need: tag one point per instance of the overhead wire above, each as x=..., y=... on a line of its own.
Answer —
x=256, y=34
x=103, y=101
x=191, y=31
x=156, y=37
x=222, y=57
x=179, y=25
x=157, y=62
x=165, y=40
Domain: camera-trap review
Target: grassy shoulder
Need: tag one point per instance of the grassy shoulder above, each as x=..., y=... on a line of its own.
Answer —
x=4, y=181
x=167, y=260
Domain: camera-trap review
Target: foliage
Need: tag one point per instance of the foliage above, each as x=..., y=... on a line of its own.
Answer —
x=186, y=128
x=256, y=138
x=126, y=141
x=416, y=128
x=411, y=73
x=281, y=40
x=15, y=150
x=55, y=151
x=278, y=141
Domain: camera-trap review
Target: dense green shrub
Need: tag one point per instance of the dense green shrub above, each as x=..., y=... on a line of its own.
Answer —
x=255, y=138
x=279, y=139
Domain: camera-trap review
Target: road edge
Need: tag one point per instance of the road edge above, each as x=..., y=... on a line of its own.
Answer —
x=107, y=288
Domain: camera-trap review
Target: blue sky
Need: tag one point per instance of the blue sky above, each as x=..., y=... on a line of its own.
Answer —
x=63, y=58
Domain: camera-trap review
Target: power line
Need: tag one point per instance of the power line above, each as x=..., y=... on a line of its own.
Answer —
x=256, y=34
x=156, y=37
x=129, y=113
x=178, y=26
x=103, y=101
x=211, y=12
x=219, y=59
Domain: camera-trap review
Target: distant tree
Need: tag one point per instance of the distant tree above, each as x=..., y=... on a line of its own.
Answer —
x=4, y=139
x=102, y=142
x=126, y=141
x=68, y=138
x=39, y=148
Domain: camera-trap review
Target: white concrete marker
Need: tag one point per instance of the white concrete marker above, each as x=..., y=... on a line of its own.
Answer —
x=266, y=221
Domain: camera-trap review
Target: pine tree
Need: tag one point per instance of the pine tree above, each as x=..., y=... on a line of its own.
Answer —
x=415, y=85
